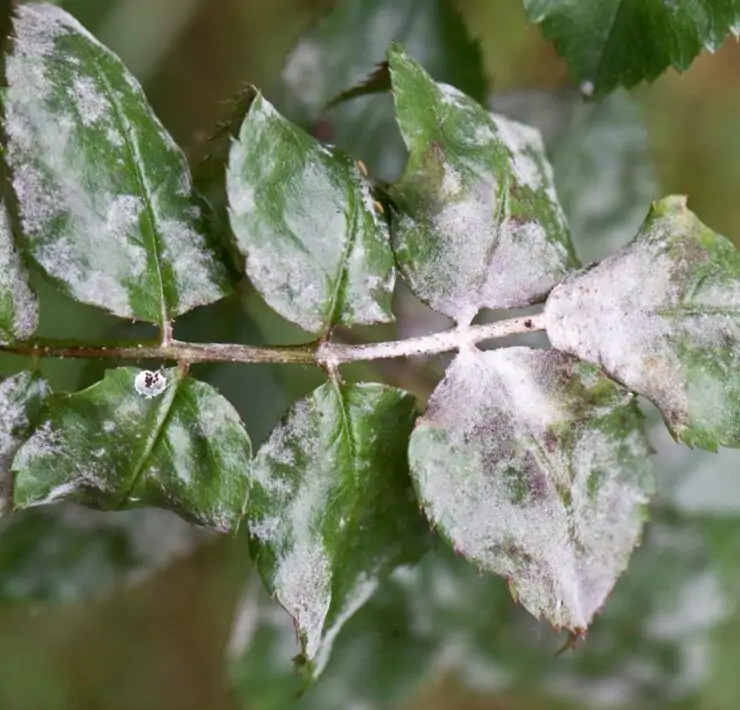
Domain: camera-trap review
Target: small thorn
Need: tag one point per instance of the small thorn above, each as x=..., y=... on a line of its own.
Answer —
x=362, y=167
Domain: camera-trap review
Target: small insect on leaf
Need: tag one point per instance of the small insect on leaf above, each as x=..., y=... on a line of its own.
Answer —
x=150, y=384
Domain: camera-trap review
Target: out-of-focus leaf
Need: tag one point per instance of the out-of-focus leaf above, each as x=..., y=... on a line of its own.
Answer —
x=379, y=657
x=19, y=310
x=342, y=49
x=315, y=242
x=110, y=447
x=614, y=43
x=604, y=175
x=331, y=507
x=21, y=397
x=661, y=316
x=104, y=194
x=65, y=553
x=535, y=466
x=479, y=224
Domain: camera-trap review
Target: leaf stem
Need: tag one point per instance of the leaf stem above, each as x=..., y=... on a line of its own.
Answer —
x=328, y=355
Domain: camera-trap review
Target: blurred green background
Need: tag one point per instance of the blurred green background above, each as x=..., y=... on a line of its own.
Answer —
x=137, y=610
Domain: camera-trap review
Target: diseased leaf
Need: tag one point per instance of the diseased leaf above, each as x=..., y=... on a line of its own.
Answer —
x=110, y=447
x=315, y=241
x=331, y=507
x=534, y=465
x=344, y=47
x=19, y=309
x=662, y=316
x=66, y=553
x=105, y=196
x=21, y=397
x=624, y=42
x=479, y=224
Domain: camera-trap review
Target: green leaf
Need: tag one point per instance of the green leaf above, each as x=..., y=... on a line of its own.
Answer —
x=21, y=397
x=315, y=241
x=661, y=315
x=342, y=49
x=19, y=310
x=479, y=224
x=66, y=554
x=534, y=465
x=331, y=506
x=624, y=42
x=105, y=195
x=110, y=447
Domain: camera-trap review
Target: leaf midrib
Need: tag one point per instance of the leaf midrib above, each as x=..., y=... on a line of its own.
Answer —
x=134, y=160
x=155, y=434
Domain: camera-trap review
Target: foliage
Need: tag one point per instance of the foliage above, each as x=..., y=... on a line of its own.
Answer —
x=528, y=463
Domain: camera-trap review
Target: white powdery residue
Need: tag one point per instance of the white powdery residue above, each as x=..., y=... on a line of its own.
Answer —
x=92, y=104
x=15, y=290
x=362, y=591
x=180, y=449
x=484, y=263
x=303, y=576
x=608, y=513
x=608, y=314
x=14, y=393
x=185, y=251
x=472, y=499
x=109, y=426
x=303, y=587
x=522, y=142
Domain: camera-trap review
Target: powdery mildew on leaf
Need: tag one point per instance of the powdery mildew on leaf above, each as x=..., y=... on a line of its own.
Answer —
x=479, y=224
x=21, y=397
x=331, y=506
x=108, y=447
x=535, y=467
x=19, y=310
x=662, y=315
x=104, y=193
x=315, y=243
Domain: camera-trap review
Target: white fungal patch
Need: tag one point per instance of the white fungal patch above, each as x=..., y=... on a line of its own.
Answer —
x=481, y=225
x=18, y=304
x=326, y=255
x=150, y=384
x=105, y=205
x=559, y=521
